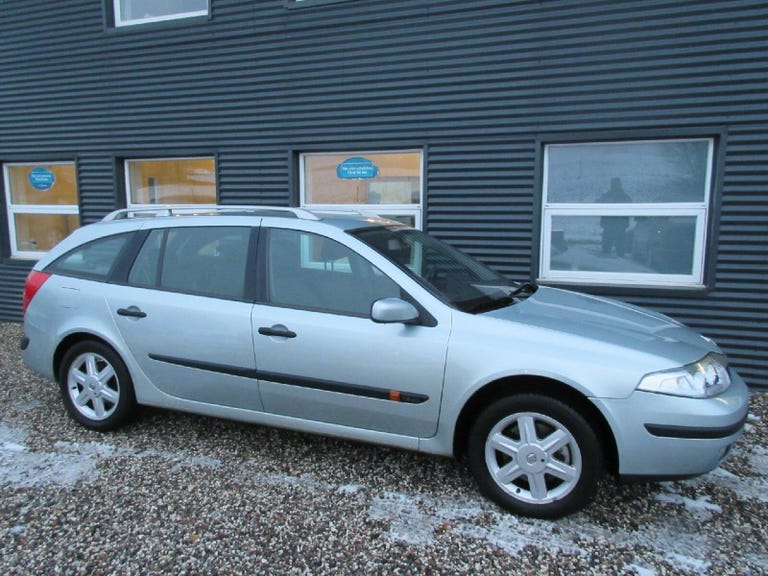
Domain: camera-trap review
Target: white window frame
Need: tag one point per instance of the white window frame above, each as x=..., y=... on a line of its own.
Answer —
x=14, y=209
x=119, y=21
x=699, y=210
x=127, y=175
x=382, y=210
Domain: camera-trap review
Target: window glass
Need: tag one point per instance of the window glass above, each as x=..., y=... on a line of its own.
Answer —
x=42, y=202
x=385, y=183
x=171, y=181
x=638, y=172
x=41, y=232
x=636, y=245
x=41, y=184
x=210, y=261
x=310, y=271
x=454, y=276
x=139, y=11
x=626, y=212
x=94, y=260
x=147, y=264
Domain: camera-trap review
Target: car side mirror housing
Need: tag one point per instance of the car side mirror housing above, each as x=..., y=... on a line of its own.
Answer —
x=393, y=310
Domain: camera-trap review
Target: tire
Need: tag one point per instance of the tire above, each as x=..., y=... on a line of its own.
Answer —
x=96, y=387
x=535, y=456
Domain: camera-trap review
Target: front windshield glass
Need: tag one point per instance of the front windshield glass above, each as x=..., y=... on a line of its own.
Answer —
x=455, y=277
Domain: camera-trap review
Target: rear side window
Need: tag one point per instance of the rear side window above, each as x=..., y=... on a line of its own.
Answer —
x=210, y=261
x=94, y=260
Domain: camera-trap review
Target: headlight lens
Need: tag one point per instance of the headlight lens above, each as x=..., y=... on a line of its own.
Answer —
x=702, y=379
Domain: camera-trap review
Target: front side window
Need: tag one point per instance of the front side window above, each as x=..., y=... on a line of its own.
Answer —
x=129, y=12
x=388, y=184
x=170, y=181
x=42, y=204
x=626, y=213
x=306, y=270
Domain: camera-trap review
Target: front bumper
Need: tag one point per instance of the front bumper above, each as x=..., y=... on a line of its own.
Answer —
x=661, y=436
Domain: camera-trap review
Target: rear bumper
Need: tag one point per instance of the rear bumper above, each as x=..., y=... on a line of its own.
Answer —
x=659, y=436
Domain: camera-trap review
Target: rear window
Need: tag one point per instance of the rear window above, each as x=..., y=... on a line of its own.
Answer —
x=94, y=260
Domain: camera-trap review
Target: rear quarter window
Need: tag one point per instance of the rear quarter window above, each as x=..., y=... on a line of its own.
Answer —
x=94, y=260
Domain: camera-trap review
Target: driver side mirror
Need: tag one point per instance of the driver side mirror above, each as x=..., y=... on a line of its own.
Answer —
x=393, y=311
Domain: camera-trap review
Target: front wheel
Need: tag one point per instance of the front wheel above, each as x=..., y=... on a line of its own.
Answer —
x=96, y=387
x=535, y=456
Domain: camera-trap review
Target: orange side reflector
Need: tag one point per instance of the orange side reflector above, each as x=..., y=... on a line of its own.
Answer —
x=394, y=395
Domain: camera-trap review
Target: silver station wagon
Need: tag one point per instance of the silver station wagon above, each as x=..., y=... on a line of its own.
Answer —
x=362, y=328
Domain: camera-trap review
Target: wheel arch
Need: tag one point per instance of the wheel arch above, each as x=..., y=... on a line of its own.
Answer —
x=536, y=385
x=69, y=341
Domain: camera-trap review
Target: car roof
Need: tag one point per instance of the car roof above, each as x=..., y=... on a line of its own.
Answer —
x=130, y=219
x=343, y=219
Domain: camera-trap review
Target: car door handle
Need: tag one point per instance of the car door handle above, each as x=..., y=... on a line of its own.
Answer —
x=131, y=311
x=280, y=331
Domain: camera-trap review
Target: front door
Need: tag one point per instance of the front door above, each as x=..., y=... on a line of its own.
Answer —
x=319, y=355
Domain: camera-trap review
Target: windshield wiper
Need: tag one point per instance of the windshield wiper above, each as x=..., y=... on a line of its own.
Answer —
x=525, y=289
x=513, y=297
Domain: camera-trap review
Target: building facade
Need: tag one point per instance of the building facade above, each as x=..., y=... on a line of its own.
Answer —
x=618, y=147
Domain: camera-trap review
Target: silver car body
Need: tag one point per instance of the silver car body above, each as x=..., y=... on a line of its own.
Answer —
x=599, y=348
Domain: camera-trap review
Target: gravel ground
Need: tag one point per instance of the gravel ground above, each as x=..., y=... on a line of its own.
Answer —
x=181, y=494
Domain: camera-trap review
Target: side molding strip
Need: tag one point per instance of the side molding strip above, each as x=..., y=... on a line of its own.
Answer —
x=301, y=381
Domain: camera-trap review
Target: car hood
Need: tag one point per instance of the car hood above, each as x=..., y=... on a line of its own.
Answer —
x=610, y=321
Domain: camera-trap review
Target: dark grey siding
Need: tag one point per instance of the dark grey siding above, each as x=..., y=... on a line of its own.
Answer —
x=481, y=85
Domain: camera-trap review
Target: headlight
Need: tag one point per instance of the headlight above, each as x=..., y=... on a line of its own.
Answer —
x=702, y=379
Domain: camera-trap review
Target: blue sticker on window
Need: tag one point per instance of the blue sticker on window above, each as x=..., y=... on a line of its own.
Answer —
x=41, y=179
x=357, y=169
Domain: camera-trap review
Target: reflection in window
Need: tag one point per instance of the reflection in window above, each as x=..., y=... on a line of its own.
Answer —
x=626, y=212
x=643, y=172
x=382, y=183
x=310, y=271
x=171, y=181
x=42, y=204
x=637, y=245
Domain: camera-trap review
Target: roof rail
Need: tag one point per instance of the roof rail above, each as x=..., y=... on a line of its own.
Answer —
x=207, y=210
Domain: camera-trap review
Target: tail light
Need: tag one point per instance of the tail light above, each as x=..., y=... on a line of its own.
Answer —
x=34, y=281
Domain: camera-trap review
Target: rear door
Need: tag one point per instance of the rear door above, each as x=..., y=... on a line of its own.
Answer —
x=321, y=357
x=185, y=313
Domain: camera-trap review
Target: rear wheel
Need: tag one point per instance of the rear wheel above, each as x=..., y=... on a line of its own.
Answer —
x=535, y=456
x=96, y=387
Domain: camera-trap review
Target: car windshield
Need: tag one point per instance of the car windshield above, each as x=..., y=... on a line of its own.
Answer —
x=455, y=277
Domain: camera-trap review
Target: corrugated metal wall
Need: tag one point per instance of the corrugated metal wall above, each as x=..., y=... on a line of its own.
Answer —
x=480, y=85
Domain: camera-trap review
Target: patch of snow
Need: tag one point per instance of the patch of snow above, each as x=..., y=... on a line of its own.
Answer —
x=758, y=461
x=701, y=507
x=408, y=522
x=749, y=488
x=349, y=488
x=25, y=468
x=642, y=570
x=71, y=462
x=687, y=563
